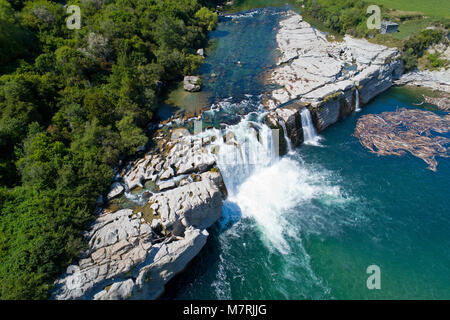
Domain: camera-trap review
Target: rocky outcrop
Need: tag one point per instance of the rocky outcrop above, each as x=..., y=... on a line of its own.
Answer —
x=327, y=74
x=435, y=80
x=287, y=118
x=192, y=83
x=116, y=190
x=133, y=252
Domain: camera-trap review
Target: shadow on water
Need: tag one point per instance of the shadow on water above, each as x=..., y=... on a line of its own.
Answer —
x=219, y=33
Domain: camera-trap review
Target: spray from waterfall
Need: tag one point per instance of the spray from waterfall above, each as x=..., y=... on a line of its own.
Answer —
x=309, y=132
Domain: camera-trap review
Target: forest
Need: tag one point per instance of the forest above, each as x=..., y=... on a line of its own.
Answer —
x=74, y=103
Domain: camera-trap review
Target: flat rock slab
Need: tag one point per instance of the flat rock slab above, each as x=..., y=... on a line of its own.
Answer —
x=310, y=64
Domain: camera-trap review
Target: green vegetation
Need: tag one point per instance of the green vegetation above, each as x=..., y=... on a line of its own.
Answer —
x=343, y=17
x=414, y=36
x=332, y=96
x=432, y=8
x=415, y=46
x=432, y=61
x=72, y=104
x=242, y=5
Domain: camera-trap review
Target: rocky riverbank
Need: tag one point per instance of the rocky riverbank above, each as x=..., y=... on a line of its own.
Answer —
x=435, y=80
x=332, y=79
x=134, y=252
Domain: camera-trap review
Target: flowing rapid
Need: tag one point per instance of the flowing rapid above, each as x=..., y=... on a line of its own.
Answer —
x=264, y=193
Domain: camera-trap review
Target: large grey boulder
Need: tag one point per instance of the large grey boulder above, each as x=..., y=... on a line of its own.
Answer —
x=116, y=190
x=192, y=83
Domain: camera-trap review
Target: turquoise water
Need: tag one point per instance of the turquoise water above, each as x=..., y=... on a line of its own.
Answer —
x=308, y=226
x=241, y=49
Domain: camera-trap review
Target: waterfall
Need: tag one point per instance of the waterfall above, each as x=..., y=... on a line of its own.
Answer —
x=309, y=132
x=286, y=137
x=241, y=150
x=357, y=109
x=260, y=186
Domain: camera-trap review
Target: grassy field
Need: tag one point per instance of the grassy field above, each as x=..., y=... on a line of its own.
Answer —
x=420, y=15
x=431, y=8
x=413, y=17
x=242, y=5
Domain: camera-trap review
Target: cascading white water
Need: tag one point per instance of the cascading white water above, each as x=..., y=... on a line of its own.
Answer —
x=242, y=149
x=309, y=132
x=357, y=108
x=286, y=137
x=264, y=197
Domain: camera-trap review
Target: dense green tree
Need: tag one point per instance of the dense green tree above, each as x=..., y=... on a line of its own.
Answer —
x=207, y=19
x=72, y=104
x=131, y=136
x=347, y=16
x=15, y=41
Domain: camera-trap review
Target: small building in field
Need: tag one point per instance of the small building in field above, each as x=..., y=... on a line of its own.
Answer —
x=388, y=27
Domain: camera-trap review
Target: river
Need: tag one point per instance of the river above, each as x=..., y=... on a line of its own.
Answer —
x=308, y=225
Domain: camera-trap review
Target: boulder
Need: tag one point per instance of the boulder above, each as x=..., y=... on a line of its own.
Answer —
x=116, y=190
x=118, y=290
x=201, y=52
x=192, y=83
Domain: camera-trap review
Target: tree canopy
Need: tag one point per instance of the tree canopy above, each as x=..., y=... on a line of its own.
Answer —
x=73, y=103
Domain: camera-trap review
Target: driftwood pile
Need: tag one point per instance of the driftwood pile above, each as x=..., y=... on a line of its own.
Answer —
x=405, y=130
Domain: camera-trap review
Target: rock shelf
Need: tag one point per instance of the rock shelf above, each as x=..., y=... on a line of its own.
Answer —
x=133, y=253
x=442, y=102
